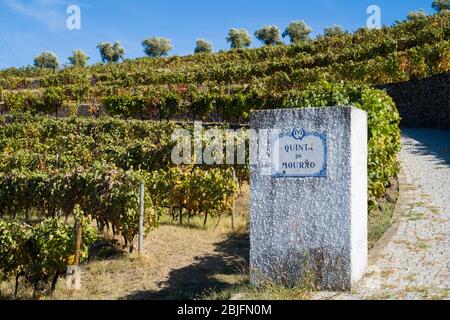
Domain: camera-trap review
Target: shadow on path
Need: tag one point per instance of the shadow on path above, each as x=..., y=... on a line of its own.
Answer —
x=432, y=142
x=231, y=257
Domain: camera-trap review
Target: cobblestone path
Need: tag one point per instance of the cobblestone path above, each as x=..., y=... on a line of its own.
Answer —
x=412, y=261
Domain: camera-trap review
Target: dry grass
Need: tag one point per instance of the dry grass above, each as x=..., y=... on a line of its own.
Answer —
x=179, y=262
x=185, y=262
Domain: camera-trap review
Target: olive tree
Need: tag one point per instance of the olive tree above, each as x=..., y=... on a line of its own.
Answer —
x=78, y=58
x=441, y=5
x=47, y=60
x=239, y=38
x=111, y=52
x=297, y=31
x=203, y=46
x=156, y=47
x=334, y=30
x=269, y=35
x=414, y=15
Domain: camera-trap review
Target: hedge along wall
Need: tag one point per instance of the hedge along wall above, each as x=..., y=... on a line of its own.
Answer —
x=383, y=126
x=383, y=122
x=423, y=103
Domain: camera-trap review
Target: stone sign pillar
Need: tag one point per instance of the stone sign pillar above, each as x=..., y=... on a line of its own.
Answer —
x=308, y=201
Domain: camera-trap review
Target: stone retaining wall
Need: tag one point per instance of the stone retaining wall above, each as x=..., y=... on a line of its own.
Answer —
x=423, y=103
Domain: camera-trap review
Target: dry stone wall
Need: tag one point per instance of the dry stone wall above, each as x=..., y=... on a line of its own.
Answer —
x=423, y=103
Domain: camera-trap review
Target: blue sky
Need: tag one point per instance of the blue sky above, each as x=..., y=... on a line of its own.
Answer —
x=28, y=27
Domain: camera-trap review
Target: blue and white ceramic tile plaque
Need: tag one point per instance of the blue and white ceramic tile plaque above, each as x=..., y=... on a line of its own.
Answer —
x=297, y=153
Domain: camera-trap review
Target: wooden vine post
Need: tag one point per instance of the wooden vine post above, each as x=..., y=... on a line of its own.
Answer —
x=76, y=260
x=74, y=284
x=233, y=213
x=141, y=218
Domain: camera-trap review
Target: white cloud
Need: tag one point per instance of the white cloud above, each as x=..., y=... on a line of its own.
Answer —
x=46, y=11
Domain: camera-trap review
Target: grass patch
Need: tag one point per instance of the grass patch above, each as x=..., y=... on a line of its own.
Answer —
x=246, y=291
x=379, y=223
x=415, y=216
x=382, y=218
x=443, y=294
x=243, y=290
x=423, y=245
x=434, y=210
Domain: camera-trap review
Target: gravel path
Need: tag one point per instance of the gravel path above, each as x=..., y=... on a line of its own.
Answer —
x=412, y=261
x=427, y=155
